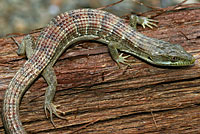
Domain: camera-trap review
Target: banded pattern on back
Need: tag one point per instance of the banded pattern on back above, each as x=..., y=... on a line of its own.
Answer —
x=76, y=23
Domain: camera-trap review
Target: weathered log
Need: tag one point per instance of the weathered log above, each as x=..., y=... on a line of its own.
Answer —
x=98, y=97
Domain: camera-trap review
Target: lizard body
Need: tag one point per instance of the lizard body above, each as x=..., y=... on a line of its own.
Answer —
x=68, y=28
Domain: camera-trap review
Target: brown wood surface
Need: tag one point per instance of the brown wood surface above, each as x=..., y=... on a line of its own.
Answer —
x=99, y=98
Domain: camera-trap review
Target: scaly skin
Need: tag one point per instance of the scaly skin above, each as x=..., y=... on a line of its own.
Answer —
x=73, y=26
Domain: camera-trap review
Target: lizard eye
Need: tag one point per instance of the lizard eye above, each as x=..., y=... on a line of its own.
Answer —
x=150, y=58
x=173, y=59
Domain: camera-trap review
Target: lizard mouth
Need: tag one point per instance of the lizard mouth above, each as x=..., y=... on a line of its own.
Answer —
x=187, y=63
x=178, y=63
x=175, y=63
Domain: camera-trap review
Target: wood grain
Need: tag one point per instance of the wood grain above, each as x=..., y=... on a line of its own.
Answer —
x=99, y=98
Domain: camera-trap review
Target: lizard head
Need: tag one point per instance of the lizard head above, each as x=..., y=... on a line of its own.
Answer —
x=160, y=52
x=167, y=54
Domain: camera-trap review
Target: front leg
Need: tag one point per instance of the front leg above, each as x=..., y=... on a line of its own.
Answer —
x=118, y=58
x=144, y=21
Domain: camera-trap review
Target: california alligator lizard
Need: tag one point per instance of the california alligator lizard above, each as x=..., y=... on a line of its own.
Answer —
x=68, y=28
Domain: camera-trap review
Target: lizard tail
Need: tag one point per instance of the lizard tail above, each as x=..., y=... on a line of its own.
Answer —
x=16, y=89
x=42, y=55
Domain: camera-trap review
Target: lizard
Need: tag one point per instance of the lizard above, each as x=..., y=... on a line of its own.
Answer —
x=69, y=28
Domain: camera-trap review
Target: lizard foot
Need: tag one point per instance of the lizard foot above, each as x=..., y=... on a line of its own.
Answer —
x=122, y=59
x=144, y=21
x=53, y=110
x=148, y=22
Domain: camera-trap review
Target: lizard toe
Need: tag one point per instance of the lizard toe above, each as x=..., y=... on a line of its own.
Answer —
x=53, y=110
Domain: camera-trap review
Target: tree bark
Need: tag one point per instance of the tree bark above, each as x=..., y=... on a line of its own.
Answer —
x=100, y=98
